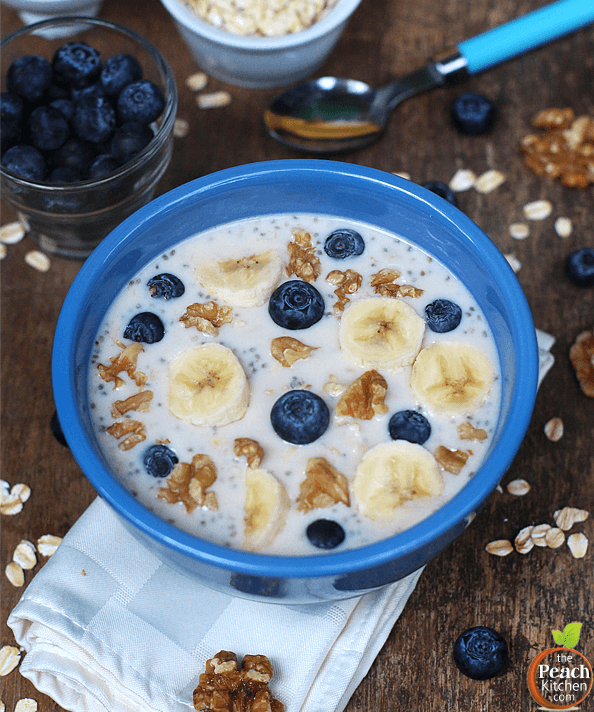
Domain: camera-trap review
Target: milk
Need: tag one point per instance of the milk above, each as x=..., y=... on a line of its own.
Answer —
x=249, y=336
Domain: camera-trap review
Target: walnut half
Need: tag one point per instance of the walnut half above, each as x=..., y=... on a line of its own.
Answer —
x=188, y=483
x=365, y=396
x=207, y=317
x=286, y=350
x=223, y=687
x=323, y=486
x=581, y=355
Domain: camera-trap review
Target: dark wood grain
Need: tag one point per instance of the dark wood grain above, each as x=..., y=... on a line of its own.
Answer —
x=523, y=597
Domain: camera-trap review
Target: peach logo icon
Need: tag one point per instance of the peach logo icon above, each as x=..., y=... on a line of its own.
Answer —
x=561, y=678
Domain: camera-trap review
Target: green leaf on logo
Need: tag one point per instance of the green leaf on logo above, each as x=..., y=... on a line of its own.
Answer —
x=558, y=637
x=571, y=634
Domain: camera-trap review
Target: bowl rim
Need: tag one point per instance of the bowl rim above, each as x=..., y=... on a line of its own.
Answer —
x=336, y=16
x=168, y=115
x=459, y=510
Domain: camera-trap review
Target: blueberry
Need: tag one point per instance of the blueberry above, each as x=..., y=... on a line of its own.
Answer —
x=129, y=140
x=76, y=65
x=10, y=134
x=145, y=327
x=94, y=119
x=75, y=154
x=296, y=305
x=409, y=425
x=472, y=114
x=166, y=286
x=480, y=653
x=11, y=107
x=443, y=315
x=140, y=101
x=299, y=417
x=441, y=189
x=102, y=166
x=56, y=429
x=159, y=460
x=63, y=174
x=119, y=71
x=29, y=77
x=94, y=90
x=64, y=106
x=579, y=267
x=325, y=533
x=344, y=243
x=48, y=129
x=25, y=162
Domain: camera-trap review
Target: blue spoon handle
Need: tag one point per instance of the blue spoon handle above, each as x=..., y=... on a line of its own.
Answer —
x=525, y=33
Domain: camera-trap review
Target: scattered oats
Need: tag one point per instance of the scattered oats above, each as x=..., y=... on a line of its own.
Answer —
x=9, y=659
x=48, y=543
x=197, y=81
x=514, y=262
x=38, y=260
x=539, y=533
x=24, y=555
x=11, y=233
x=180, y=128
x=15, y=574
x=554, y=538
x=518, y=487
x=578, y=545
x=499, y=547
x=23, y=492
x=523, y=541
x=402, y=174
x=213, y=100
x=568, y=516
x=489, y=181
x=537, y=210
x=11, y=504
x=563, y=227
x=554, y=429
x=519, y=231
x=463, y=179
x=26, y=705
x=3, y=251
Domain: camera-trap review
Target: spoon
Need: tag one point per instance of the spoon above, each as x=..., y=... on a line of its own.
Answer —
x=330, y=114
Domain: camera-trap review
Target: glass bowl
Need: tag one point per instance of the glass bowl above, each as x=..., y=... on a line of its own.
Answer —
x=71, y=219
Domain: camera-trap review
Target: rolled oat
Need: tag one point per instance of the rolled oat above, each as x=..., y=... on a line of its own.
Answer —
x=554, y=429
x=463, y=179
x=38, y=260
x=197, y=81
x=518, y=487
x=11, y=233
x=9, y=659
x=537, y=210
x=489, y=181
x=519, y=231
x=554, y=538
x=213, y=100
x=568, y=516
x=48, y=543
x=25, y=555
x=15, y=574
x=563, y=227
x=578, y=545
x=499, y=547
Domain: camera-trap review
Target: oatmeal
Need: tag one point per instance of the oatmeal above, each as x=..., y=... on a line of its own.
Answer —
x=236, y=401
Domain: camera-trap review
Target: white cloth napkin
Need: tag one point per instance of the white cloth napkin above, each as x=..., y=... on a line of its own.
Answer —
x=109, y=628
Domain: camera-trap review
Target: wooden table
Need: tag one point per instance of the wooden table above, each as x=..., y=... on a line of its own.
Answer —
x=522, y=596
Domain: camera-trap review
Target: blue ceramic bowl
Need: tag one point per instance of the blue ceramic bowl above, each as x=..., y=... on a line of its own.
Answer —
x=322, y=187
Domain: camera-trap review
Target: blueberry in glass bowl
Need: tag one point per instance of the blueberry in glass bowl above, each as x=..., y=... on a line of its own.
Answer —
x=72, y=166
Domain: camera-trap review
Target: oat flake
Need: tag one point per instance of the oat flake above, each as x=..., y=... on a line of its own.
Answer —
x=519, y=231
x=539, y=533
x=197, y=81
x=554, y=538
x=523, y=541
x=518, y=487
x=24, y=555
x=15, y=574
x=213, y=100
x=23, y=492
x=26, y=705
x=463, y=179
x=499, y=547
x=563, y=227
x=9, y=659
x=514, y=262
x=11, y=233
x=48, y=543
x=489, y=181
x=38, y=260
x=554, y=429
x=181, y=128
x=537, y=210
x=568, y=516
x=578, y=545
x=11, y=504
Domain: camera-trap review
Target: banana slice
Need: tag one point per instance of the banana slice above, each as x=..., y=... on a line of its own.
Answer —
x=208, y=386
x=390, y=474
x=452, y=378
x=241, y=281
x=266, y=503
x=381, y=332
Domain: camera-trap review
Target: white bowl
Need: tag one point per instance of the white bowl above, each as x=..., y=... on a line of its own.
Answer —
x=31, y=11
x=260, y=62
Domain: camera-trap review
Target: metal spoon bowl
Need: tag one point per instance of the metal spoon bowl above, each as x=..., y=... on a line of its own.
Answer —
x=329, y=114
